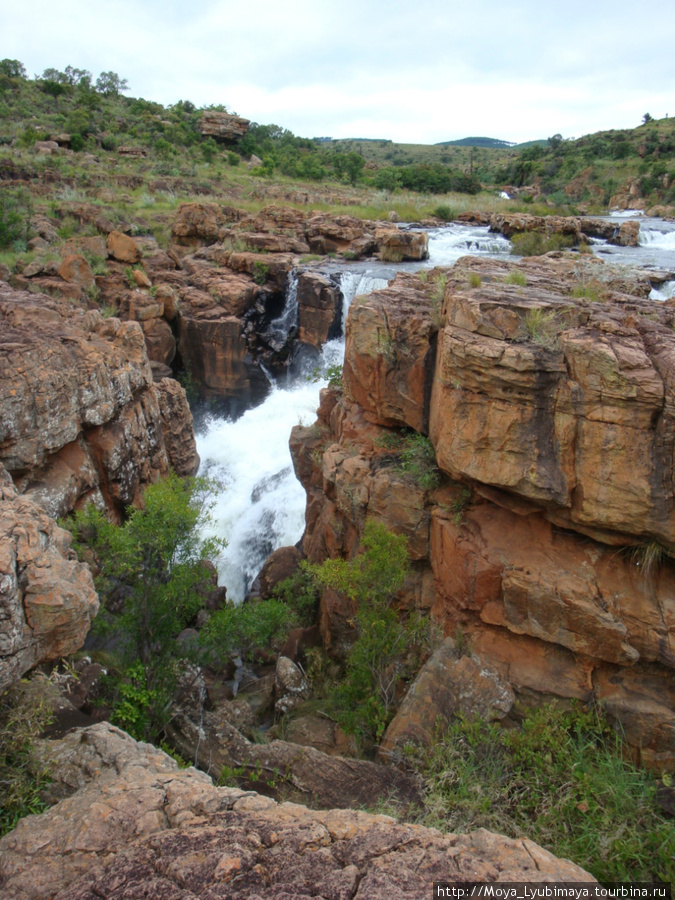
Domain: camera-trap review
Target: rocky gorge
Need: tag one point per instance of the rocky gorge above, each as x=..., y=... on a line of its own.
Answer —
x=540, y=545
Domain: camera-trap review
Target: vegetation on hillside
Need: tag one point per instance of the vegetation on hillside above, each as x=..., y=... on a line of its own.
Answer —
x=561, y=779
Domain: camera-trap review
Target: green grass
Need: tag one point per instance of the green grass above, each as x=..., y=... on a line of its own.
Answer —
x=561, y=780
x=541, y=327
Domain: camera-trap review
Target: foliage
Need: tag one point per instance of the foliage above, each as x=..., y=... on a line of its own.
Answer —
x=15, y=212
x=110, y=84
x=445, y=212
x=532, y=243
x=256, y=628
x=540, y=326
x=12, y=68
x=334, y=374
x=23, y=718
x=386, y=649
x=152, y=574
x=563, y=781
x=516, y=277
x=418, y=459
x=260, y=272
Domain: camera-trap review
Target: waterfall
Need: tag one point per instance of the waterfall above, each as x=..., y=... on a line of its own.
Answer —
x=262, y=505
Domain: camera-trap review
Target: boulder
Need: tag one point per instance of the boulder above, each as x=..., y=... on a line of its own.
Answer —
x=47, y=598
x=222, y=126
x=134, y=822
x=450, y=683
x=279, y=566
x=395, y=245
x=291, y=686
x=122, y=248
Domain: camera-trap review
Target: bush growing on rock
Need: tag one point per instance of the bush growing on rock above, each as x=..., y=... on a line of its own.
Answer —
x=387, y=648
x=563, y=780
x=152, y=576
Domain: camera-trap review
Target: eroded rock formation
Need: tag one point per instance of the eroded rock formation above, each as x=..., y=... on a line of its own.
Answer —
x=47, y=598
x=132, y=824
x=81, y=417
x=548, y=541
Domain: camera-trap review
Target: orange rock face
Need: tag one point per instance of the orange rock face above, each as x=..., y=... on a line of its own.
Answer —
x=389, y=352
x=47, y=599
x=549, y=540
x=81, y=418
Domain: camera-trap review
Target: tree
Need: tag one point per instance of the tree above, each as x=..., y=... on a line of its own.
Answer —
x=110, y=84
x=387, y=648
x=12, y=68
x=152, y=573
x=647, y=118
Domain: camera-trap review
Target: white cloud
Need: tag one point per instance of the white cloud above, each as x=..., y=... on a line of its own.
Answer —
x=429, y=72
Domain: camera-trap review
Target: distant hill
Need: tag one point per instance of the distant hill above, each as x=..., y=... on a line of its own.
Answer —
x=476, y=142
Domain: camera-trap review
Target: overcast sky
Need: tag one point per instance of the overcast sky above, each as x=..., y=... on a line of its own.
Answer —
x=417, y=71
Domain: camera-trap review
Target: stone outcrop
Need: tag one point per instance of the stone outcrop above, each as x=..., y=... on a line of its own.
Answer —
x=319, y=313
x=625, y=233
x=549, y=539
x=81, y=418
x=223, y=126
x=284, y=229
x=450, y=683
x=283, y=769
x=132, y=823
x=47, y=598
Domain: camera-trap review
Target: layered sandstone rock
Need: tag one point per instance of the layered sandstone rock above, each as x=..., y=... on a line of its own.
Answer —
x=551, y=418
x=132, y=823
x=223, y=126
x=287, y=230
x=625, y=233
x=81, y=416
x=318, y=309
x=47, y=598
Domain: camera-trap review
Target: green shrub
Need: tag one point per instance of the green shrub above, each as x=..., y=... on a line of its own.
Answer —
x=260, y=273
x=15, y=212
x=532, y=243
x=418, y=459
x=154, y=564
x=387, y=648
x=23, y=717
x=446, y=213
x=563, y=781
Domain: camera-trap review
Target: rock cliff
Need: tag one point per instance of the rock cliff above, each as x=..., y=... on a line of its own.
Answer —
x=132, y=824
x=47, y=598
x=81, y=417
x=548, y=539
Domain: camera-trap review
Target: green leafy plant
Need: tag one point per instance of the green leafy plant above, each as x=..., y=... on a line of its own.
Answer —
x=152, y=571
x=23, y=717
x=561, y=779
x=260, y=273
x=516, y=277
x=418, y=459
x=387, y=648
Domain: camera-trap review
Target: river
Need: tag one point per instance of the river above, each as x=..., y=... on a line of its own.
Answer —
x=262, y=505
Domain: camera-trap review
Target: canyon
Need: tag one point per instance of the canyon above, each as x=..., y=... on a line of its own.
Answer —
x=540, y=535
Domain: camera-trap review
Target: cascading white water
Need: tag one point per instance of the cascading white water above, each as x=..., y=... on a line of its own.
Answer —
x=665, y=292
x=657, y=240
x=262, y=505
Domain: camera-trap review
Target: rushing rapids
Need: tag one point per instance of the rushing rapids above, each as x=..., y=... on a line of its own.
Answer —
x=261, y=506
